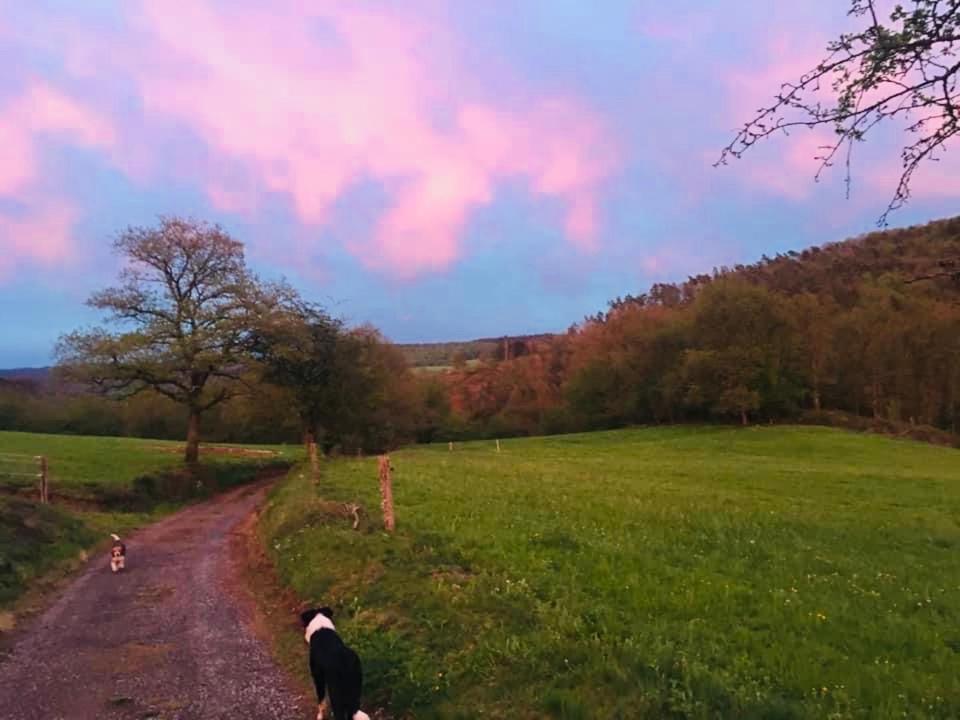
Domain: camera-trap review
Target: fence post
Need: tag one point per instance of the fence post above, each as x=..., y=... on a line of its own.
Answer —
x=498, y=445
x=450, y=445
x=386, y=494
x=44, y=489
x=314, y=464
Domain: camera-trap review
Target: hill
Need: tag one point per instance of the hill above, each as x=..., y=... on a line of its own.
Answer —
x=448, y=354
x=674, y=572
x=26, y=373
x=867, y=327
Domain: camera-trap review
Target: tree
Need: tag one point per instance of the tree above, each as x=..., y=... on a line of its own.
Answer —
x=181, y=312
x=298, y=347
x=904, y=67
x=814, y=322
x=741, y=357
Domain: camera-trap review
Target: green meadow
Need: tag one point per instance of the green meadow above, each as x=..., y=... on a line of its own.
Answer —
x=99, y=485
x=776, y=572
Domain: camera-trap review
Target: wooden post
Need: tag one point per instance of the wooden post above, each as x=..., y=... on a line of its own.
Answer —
x=498, y=445
x=314, y=462
x=386, y=494
x=44, y=489
x=450, y=445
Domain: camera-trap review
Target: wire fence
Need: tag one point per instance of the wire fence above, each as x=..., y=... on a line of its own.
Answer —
x=19, y=472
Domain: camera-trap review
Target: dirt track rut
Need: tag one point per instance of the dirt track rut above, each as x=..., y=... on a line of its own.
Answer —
x=169, y=638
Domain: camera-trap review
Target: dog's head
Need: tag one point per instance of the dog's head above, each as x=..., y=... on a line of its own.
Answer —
x=115, y=551
x=307, y=616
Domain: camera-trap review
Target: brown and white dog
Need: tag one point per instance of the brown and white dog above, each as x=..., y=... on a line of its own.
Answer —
x=118, y=554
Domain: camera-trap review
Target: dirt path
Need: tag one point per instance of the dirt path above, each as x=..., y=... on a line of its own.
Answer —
x=169, y=638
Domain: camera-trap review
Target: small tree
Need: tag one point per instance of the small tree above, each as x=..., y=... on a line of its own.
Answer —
x=181, y=313
x=297, y=345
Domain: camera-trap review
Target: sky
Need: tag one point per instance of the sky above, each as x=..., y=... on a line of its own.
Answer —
x=442, y=170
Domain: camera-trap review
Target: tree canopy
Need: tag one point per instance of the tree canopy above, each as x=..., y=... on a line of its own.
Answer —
x=179, y=320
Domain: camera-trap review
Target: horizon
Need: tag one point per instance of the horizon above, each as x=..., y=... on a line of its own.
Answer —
x=508, y=177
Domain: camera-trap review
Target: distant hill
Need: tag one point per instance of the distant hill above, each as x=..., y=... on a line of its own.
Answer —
x=444, y=354
x=35, y=374
x=419, y=355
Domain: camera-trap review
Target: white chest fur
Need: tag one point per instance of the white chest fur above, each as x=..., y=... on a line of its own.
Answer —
x=320, y=622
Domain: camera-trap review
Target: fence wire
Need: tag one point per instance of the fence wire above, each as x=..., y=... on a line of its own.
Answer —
x=18, y=469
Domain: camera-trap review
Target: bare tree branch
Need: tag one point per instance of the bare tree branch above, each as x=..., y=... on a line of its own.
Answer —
x=904, y=68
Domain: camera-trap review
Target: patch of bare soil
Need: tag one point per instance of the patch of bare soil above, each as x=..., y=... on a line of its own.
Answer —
x=216, y=450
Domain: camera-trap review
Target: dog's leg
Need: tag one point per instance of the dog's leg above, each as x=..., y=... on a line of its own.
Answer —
x=123, y=562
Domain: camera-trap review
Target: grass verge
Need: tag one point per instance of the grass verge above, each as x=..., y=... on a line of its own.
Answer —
x=656, y=573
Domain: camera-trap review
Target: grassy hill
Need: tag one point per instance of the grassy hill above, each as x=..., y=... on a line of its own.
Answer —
x=655, y=573
x=98, y=485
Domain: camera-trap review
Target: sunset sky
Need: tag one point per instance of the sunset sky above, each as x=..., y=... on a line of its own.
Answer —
x=444, y=170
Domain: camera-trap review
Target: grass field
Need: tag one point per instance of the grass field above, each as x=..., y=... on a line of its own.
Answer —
x=105, y=462
x=99, y=485
x=654, y=573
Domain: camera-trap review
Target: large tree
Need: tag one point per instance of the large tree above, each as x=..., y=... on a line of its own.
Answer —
x=896, y=68
x=180, y=318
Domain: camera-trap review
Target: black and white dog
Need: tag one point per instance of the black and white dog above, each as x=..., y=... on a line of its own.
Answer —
x=335, y=667
x=118, y=554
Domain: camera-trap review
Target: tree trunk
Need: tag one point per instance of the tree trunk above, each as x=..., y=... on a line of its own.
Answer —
x=816, y=398
x=193, y=437
x=743, y=417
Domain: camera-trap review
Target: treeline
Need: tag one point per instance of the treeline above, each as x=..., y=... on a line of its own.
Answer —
x=869, y=327
x=375, y=397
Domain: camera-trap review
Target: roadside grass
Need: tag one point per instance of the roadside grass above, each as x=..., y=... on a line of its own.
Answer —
x=789, y=572
x=100, y=485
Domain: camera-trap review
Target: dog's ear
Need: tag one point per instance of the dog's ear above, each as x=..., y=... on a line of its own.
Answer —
x=326, y=611
x=308, y=615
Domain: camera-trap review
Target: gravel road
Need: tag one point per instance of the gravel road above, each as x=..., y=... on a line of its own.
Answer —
x=169, y=638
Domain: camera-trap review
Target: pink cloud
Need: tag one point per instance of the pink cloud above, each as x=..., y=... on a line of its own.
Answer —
x=42, y=236
x=307, y=100
x=39, y=111
x=684, y=29
x=39, y=232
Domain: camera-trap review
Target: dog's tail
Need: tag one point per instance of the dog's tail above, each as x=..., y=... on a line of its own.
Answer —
x=116, y=538
x=360, y=715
